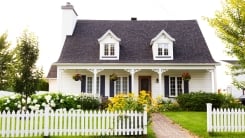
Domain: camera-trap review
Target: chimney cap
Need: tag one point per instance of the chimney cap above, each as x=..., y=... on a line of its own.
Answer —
x=68, y=6
x=133, y=18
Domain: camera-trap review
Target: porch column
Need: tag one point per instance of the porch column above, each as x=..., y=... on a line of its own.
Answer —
x=132, y=73
x=94, y=71
x=160, y=71
x=212, y=79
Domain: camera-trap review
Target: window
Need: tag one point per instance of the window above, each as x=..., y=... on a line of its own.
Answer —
x=163, y=49
x=89, y=84
x=121, y=85
x=176, y=86
x=98, y=85
x=109, y=50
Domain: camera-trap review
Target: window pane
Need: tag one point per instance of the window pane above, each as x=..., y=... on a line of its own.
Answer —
x=89, y=84
x=179, y=85
x=112, y=50
x=172, y=86
x=106, y=51
x=125, y=85
x=159, y=51
x=98, y=85
x=118, y=85
x=165, y=49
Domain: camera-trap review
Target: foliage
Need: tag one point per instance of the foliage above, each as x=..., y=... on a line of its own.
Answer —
x=42, y=85
x=27, y=54
x=196, y=101
x=53, y=100
x=6, y=63
x=131, y=102
x=77, y=77
x=229, y=24
x=167, y=105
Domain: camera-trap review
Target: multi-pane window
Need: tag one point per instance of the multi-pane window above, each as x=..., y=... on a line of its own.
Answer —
x=121, y=85
x=98, y=85
x=89, y=84
x=109, y=49
x=176, y=86
x=163, y=49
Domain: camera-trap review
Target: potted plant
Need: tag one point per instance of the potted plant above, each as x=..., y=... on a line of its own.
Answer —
x=186, y=76
x=77, y=77
x=113, y=77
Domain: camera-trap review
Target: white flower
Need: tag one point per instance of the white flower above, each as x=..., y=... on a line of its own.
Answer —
x=12, y=97
x=15, y=104
x=28, y=100
x=34, y=101
x=23, y=101
x=43, y=104
x=48, y=98
x=79, y=106
x=18, y=105
x=37, y=106
x=8, y=101
x=52, y=104
x=62, y=100
x=6, y=108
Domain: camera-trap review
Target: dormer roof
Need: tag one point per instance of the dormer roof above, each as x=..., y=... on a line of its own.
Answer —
x=162, y=33
x=109, y=33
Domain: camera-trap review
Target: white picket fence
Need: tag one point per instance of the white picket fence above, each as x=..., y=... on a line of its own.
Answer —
x=72, y=123
x=225, y=120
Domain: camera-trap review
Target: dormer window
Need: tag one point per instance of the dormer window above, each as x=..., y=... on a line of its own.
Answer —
x=109, y=49
x=162, y=46
x=163, y=49
x=109, y=46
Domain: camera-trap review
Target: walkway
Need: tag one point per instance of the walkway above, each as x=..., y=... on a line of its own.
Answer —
x=165, y=128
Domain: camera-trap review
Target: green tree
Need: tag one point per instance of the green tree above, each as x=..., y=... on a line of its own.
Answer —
x=28, y=75
x=6, y=63
x=229, y=24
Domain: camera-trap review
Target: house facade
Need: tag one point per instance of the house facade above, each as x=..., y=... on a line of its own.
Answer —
x=115, y=56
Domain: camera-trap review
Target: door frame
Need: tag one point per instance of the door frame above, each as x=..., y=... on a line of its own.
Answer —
x=149, y=82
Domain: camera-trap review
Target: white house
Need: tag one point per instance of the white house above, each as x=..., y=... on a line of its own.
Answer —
x=145, y=55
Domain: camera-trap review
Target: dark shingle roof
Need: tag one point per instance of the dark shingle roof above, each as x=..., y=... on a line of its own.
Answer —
x=83, y=46
x=52, y=72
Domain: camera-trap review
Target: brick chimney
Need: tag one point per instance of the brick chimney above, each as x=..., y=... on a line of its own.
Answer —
x=69, y=19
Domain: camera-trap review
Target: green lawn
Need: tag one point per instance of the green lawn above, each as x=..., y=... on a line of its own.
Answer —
x=196, y=123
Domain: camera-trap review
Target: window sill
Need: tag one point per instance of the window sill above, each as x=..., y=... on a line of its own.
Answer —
x=109, y=56
x=162, y=56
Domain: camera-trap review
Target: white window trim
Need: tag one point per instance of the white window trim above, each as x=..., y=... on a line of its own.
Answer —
x=98, y=83
x=163, y=47
x=176, y=86
x=87, y=84
x=121, y=86
x=109, y=50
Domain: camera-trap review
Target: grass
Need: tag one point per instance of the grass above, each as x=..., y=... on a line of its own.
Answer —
x=196, y=123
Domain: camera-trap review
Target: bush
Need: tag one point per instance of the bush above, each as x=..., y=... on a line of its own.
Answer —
x=130, y=102
x=196, y=101
x=53, y=100
x=167, y=105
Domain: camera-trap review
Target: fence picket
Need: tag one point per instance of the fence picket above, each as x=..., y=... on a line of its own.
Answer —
x=74, y=122
x=225, y=120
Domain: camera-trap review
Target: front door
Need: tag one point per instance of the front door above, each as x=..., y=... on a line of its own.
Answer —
x=145, y=83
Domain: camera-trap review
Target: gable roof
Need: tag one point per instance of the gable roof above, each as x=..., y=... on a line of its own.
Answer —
x=160, y=34
x=52, y=72
x=109, y=32
x=83, y=45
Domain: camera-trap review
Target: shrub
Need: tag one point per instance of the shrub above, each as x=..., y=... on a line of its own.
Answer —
x=167, y=105
x=130, y=102
x=53, y=100
x=196, y=101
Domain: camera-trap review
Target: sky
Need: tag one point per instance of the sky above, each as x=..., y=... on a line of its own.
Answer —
x=43, y=17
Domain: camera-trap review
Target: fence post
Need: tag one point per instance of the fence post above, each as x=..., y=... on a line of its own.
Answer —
x=145, y=120
x=209, y=117
x=46, y=121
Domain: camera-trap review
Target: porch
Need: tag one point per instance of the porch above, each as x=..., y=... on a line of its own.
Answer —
x=159, y=81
